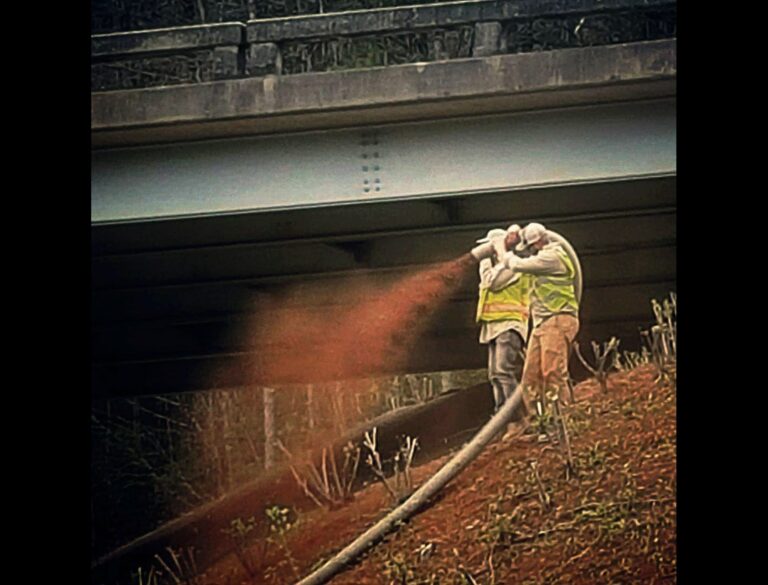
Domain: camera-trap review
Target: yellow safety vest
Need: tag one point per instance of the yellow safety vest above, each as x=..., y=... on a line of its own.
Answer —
x=508, y=304
x=557, y=293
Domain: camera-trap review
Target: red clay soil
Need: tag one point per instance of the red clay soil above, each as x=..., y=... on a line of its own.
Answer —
x=613, y=521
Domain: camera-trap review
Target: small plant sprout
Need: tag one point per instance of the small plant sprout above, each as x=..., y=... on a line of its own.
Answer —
x=662, y=337
x=603, y=360
x=280, y=523
x=397, y=570
x=425, y=550
x=595, y=455
x=466, y=577
x=542, y=418
x=241, y=532
x=544, y=497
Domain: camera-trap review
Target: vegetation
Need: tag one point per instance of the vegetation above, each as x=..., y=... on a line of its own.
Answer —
x=605, y=356
x=327, y=485
x=598, y=493
x=242, y=533
x=168, y=454
x=174, y=567
x=400, y=484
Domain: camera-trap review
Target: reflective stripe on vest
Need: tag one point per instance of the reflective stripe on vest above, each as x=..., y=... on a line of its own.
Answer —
x=508, y=304
x=556, y=293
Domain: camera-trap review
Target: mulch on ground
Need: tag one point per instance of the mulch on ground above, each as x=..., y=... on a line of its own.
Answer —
x=518, y=513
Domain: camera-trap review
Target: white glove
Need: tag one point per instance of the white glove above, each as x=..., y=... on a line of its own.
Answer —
x=494, y=272
x=510, y=260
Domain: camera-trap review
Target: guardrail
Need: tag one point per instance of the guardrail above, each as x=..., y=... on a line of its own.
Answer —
x=369, y=38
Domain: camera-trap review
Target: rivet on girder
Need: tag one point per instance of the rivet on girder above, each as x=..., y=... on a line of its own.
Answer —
x=369, y=142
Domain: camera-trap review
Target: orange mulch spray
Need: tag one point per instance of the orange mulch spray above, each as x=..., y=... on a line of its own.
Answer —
x=366, y=331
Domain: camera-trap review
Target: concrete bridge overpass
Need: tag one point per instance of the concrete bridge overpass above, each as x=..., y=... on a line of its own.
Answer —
x=206, y=195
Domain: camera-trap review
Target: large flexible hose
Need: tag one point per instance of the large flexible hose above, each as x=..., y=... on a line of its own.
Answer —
x=421, y=496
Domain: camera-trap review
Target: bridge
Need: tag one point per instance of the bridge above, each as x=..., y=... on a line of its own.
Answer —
x=233, y=158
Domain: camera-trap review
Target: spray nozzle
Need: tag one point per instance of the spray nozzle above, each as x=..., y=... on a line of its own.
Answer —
x=482, y=251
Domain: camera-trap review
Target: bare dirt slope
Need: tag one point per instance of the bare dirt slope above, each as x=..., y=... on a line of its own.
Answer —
x=612, y=521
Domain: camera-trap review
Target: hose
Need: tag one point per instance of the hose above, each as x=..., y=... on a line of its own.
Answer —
x=421, y=496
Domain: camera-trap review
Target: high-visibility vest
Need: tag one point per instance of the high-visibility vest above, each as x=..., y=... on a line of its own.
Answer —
x=557, y=293
x=508, y=304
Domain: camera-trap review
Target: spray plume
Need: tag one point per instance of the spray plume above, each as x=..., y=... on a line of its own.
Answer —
x=367, y=330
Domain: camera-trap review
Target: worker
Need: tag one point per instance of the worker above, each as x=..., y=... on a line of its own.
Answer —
x=502, y=310
x=554, y=311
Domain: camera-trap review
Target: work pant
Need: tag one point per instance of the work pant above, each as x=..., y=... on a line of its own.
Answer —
x=505, y=363
x=546, y=361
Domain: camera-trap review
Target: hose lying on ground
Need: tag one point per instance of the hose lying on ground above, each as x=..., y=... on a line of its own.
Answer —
x=421, y=496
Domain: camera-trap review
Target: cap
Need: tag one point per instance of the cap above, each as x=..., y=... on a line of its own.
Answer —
x=513, y=229
x=494, y=233
x=531, y=234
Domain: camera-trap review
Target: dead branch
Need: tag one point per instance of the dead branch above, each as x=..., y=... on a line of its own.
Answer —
x=303, y=481
x=374, y=462
x=565, y=439
x=336, y=478
x=602, y=365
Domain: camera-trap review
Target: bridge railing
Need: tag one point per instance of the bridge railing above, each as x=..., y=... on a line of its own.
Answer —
x=369, y=38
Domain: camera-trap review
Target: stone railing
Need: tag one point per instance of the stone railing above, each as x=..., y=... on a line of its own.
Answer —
x=370, y=38
x=127, y=15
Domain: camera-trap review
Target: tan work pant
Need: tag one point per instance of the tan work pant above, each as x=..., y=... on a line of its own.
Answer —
x=546, y=361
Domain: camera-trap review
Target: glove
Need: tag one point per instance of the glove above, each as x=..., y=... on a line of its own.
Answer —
x=494, y=272
x=485, y=264
x=510, y=260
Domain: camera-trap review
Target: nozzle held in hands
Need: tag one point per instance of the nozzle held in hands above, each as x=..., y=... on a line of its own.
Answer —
x=482, y=251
